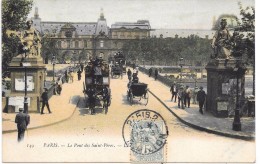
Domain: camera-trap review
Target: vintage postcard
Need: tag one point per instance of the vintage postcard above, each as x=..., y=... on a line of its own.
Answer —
x=128, y=81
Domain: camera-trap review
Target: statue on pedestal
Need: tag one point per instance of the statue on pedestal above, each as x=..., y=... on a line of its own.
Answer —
x=221, y=42
x=29, y=39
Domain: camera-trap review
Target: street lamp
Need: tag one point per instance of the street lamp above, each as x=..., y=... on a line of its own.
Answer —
x=236, y=122
x=25, y=65
x=181, y=63
x=53, y=77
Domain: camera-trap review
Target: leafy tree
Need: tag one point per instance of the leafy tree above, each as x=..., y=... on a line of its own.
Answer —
x=244, y=38
x=49, y=48
x=14, y=15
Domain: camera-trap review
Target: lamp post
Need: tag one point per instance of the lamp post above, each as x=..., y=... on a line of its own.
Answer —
x=236, y=123
x=195, y=78
x=181, y=63
x=53, y=77
x=25, y=65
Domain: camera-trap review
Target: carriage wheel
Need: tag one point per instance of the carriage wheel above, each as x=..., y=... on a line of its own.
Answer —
x=146, y=98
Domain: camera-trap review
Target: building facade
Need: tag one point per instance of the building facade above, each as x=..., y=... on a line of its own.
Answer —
x=90, y=38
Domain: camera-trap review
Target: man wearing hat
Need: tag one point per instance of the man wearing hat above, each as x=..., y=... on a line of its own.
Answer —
x=201, y=96
x=22, y=120
x=174, y=91
x=44, y=97
x=194, y=95
x=187, y=96
x=180, y=97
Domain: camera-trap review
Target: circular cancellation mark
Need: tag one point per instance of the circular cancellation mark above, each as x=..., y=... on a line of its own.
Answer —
x=145, y=132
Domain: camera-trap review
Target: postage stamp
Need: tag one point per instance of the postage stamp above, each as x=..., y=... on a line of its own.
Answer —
x=145, y=132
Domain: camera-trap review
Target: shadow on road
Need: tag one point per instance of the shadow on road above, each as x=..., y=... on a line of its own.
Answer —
x=124, y=99
x=86, y=111
x=74, y=99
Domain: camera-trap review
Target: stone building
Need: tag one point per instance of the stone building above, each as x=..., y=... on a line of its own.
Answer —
x=90, y=38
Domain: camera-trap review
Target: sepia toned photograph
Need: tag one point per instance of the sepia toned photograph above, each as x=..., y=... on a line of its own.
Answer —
x=128, y=81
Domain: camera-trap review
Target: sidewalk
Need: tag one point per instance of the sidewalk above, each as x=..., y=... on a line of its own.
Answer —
x=62, y=107
x=191, y=116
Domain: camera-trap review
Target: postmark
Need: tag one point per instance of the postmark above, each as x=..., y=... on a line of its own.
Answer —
x=145, y=133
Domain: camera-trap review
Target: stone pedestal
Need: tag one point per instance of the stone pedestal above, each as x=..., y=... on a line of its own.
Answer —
x=222, y=86
x=36, y=73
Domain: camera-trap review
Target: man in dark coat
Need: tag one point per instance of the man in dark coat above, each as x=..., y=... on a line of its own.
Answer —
x=150, y=72
x=44, y=97
x=174, y=92
x=22, y=120
x=129, y=75
x=201, y=96
x=155, y=74
x=79, y=74
x=66, y=76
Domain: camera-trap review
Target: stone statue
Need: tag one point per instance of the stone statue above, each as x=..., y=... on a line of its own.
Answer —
x=29, y=39
x=221, y=42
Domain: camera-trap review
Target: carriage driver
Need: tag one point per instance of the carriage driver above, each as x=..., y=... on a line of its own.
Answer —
x=135, y=78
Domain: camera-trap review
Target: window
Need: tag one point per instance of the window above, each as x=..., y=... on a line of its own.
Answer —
x=76, y=44
x=101, y=43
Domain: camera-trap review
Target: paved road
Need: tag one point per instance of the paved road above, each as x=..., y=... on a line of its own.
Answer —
x=184, y=143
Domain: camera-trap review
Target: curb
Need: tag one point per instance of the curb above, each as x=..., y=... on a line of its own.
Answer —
x=41, y=126
x=243, y=137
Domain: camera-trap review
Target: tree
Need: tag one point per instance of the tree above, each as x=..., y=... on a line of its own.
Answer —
x=244, y=38
x=49, y=47
x=14, y=15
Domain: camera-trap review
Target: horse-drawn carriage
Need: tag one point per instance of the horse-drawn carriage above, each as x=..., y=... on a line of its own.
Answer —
x=96, y=86
x=138, y=91
x=119, y=59
x=116, y=71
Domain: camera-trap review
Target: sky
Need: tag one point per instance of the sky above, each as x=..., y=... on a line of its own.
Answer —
x=162, y=14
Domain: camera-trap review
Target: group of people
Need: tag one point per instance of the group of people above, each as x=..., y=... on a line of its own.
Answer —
x=156, y=72
x=96, y=69
x=133, y=77
x=184, y=96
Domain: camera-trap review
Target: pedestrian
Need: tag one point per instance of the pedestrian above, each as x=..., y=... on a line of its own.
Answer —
x=71, y=77
x=150, y=72
x=79, y=74
x=137, y=70
x=187, y=94
x=174, y=91
x=201, y=96
x=59, y=86
x=155, y=74
x=22, y=120
x=129, y=74
x=194, y=95
x=45, y=98
x=180, y=95
x=81, y=67
x=66, y=76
